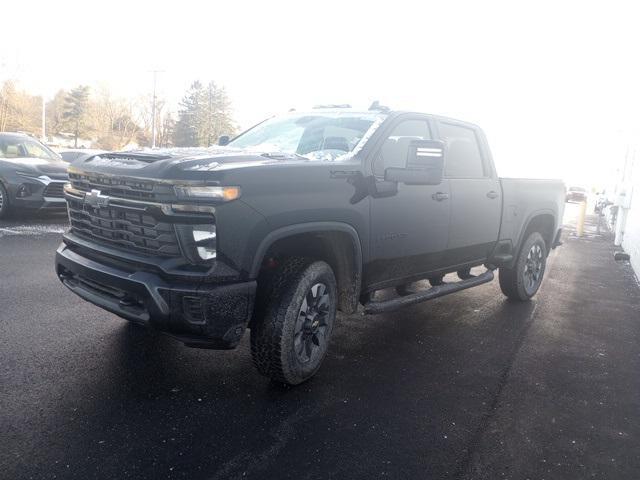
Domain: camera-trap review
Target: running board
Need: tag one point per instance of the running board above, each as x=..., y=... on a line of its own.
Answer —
x=424, y=295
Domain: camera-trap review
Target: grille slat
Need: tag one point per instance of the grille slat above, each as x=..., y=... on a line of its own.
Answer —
x=120, y=187
x=166, y=238
x=54, y=189
x=136, y=231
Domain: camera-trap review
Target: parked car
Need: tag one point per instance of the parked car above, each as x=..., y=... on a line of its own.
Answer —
x=301, y=216
x=576, y=194
x=31, y=175
x=72, y=154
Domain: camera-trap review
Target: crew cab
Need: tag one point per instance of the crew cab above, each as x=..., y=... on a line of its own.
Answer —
x=301, y=216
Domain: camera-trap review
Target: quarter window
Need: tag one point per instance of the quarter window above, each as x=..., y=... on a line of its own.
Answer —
x=463, y=158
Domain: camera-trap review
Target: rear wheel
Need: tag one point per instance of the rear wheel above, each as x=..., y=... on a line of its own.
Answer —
x=523, y=281
x=4, y=202
x=290, y=341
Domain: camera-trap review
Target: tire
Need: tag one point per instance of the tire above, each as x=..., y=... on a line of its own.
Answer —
x=4, y=202
x=290, y=340
x=523, y=281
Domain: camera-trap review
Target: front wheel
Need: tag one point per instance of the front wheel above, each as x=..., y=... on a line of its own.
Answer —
x=523, y=281
x=289, y=342
x=4, y=202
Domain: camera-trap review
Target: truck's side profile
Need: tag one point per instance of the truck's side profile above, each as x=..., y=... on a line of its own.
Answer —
x=301, y=216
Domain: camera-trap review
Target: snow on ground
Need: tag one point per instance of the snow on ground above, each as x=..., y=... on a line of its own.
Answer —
x=31, y=230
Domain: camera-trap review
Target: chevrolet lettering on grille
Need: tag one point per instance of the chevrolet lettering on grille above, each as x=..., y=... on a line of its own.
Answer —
x=95, y=199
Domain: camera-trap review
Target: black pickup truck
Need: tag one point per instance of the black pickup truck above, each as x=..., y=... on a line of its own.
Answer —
x=298, y=217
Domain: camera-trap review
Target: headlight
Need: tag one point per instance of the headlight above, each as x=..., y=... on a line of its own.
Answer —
x=204, y=238
x=224, y=194
x=34, y=176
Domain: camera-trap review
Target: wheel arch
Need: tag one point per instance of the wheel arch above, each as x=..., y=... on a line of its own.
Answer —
x=334, y=242
x=543, y=222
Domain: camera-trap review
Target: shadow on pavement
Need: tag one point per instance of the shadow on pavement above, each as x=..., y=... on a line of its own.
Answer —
x=409, y=399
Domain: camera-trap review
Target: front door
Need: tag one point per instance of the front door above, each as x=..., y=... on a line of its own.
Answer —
x=409, y=230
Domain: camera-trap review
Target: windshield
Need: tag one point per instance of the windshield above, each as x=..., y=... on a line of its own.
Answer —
x=24, y=147
x=315, y=135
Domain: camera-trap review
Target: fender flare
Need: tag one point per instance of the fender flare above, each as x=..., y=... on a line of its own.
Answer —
x=310, y=227
x=319, y=227
x=527, y=222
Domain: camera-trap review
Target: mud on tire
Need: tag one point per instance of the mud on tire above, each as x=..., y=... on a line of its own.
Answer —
x=295, y=316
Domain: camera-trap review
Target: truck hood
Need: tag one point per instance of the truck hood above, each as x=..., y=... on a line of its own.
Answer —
x=191, y=163
x=37, y=166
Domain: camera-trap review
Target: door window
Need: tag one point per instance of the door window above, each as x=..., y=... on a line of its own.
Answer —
x=395, y=148
x=462, y=158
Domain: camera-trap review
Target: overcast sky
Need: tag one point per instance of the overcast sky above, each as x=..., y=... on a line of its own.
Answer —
x=555, y=85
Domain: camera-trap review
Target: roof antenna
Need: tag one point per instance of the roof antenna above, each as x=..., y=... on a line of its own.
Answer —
x=375, y=106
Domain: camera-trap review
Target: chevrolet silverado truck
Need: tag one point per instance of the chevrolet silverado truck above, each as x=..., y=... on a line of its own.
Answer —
x=299, y=217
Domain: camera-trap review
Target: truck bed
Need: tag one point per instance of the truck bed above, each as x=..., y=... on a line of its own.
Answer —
x=523, y=198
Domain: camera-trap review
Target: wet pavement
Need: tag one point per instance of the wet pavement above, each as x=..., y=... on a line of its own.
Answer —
x=468, y=386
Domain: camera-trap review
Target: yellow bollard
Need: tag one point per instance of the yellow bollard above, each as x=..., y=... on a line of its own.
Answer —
x=581, y=214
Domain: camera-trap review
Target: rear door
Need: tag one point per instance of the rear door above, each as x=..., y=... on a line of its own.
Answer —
x=409, y=230
x=476, y=204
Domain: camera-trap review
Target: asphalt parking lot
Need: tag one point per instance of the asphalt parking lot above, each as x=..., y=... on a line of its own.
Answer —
x=468, y=386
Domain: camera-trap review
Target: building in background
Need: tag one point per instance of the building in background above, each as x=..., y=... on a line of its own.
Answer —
x=626, y=205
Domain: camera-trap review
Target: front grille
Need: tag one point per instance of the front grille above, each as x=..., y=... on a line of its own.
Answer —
x=121, y=228
x=54, y=189
x=128, y=188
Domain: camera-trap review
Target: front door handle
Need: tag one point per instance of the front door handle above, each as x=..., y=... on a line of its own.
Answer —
x=440, y=196
x=492, y=194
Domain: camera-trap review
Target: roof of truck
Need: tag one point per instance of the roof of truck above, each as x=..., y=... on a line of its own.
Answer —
x=359, y=111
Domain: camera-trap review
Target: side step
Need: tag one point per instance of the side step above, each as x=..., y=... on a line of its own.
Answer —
x=424, y=295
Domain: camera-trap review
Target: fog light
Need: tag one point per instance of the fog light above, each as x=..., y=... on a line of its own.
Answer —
x=204, y=237
x=23, y=191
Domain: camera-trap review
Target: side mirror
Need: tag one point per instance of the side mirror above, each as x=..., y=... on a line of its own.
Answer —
x=425, y=164
x=224, y=140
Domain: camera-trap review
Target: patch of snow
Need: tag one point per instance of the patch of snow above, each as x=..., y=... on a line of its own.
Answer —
x=32, y=230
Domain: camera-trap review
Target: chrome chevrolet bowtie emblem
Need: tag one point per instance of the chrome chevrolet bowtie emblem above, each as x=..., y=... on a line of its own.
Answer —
x=95, y=199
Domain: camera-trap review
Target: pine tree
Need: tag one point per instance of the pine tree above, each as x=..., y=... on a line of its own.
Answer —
x=187, y=131
x=204, y=115
x=218, y=115
x=75, y=109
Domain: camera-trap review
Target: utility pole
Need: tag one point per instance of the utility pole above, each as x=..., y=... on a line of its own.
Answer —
x=153, y=109
x=209, y=120
x=44, y=119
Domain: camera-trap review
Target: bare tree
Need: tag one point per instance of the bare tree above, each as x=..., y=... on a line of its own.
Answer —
x=19, y=111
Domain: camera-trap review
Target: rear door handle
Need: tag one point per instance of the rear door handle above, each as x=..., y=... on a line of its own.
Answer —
x=440, y=196
x=492, y=194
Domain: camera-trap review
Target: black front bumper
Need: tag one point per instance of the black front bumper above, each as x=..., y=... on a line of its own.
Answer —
x=198, y=314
